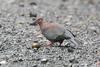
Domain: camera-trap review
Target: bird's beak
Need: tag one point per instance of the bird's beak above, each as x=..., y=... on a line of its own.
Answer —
x=34, y=23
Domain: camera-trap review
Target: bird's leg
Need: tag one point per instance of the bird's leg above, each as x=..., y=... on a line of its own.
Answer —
x=60, y=42
x=49, y=44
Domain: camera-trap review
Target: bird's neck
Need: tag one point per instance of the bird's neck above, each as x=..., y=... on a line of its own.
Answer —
x=43, y=25
x=40, y=23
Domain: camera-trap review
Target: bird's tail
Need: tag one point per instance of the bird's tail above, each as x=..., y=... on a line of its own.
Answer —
x=71, y=37
x=74, y=43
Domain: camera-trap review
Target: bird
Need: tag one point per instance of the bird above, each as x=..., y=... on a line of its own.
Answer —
x=55, y=32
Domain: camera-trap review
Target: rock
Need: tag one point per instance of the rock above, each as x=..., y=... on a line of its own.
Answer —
x=73, y=60
x=20, y=60
x=35, y=65
x=64, y=0
x=70, y=49
x=32, y=15
x=3, y=62
x=36, y=45
x=44, y=60
x=10, y=1
x=21, y=5
x=33, y=3
x=0, y=25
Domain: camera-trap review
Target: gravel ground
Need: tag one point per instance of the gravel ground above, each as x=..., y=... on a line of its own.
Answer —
x=82, y=17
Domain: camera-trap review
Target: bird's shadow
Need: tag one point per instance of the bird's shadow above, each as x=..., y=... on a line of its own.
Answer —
x=70, y=49
x=61, y=46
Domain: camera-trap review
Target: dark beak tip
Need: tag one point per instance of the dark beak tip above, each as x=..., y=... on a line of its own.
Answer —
x=33, y=24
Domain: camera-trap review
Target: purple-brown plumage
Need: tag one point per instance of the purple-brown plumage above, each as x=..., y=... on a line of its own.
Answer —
x=55, y=32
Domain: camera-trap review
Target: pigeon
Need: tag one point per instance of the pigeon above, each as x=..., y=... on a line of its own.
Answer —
x=55, y=32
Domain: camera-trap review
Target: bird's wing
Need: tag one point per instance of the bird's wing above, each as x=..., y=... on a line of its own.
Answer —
x=53, y=32
x=71, y=36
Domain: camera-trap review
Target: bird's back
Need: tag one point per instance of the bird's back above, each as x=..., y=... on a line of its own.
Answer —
x=52, y=30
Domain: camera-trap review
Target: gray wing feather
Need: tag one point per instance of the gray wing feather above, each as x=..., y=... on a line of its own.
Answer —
x=69, y=34
x=53, y=33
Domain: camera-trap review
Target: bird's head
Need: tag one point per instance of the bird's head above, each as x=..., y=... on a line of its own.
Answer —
x=38, y=21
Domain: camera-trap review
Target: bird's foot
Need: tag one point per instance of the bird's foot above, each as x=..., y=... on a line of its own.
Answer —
x=69, y=45
x=49, y=44
x=60, y=46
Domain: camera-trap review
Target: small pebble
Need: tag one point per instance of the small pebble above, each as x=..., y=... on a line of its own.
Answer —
x=64, y=0
x=36, y=45
x=60, y=58
x=40, y=36
x=35, y=65
x=0, y=25
x=33, y=3
x=20, y=60
x=10, y=1
x=21, y=5
x=22, y=15
x=32, y=15
x=70, y=49
x=44, y=60
x=73, y=60
x=3, y=62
